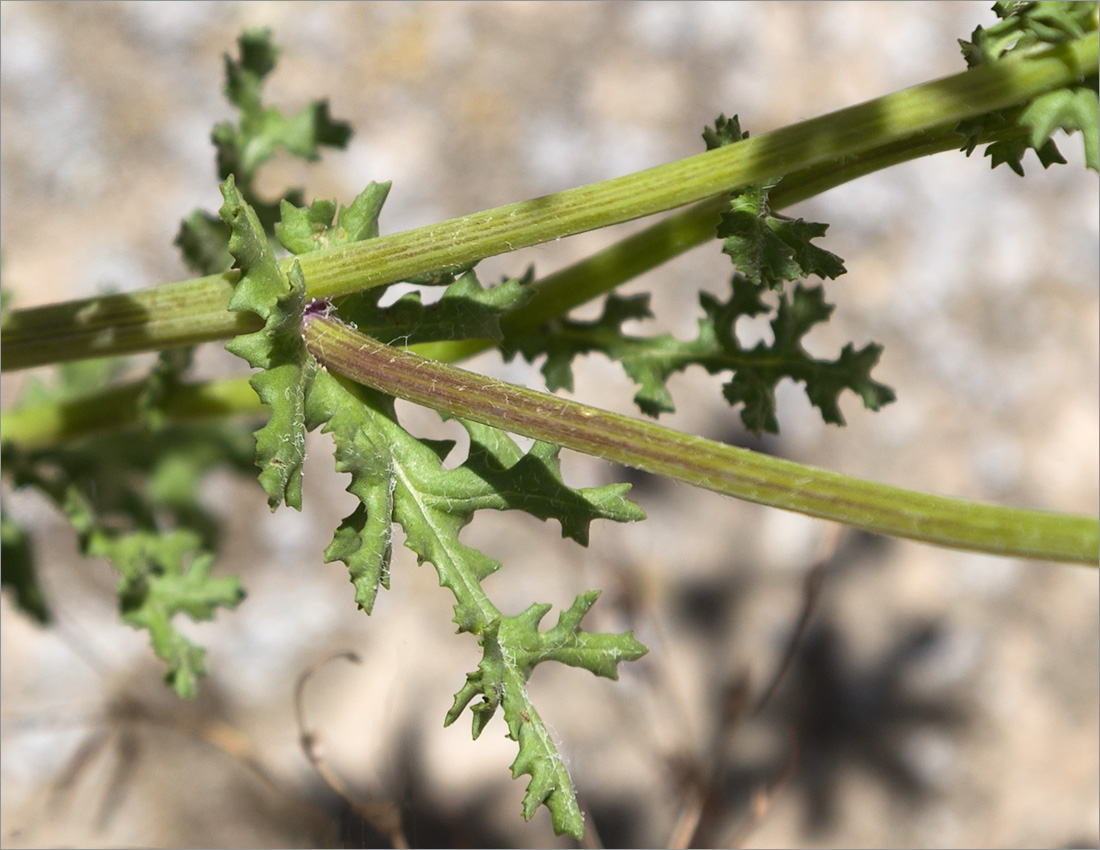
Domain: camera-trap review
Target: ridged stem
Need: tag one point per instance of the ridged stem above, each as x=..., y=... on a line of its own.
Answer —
x=48, y=423
x=700, y=462
x=190, y=311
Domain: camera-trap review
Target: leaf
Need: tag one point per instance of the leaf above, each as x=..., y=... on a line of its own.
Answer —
x=305, y=229
x=134, y=499
x=263, y=130
x=1028, y=27
x=202, y=240
x=561, y=340
x=242, y=148
x=364, y=540
x=726, y=131
x=1069, y=110
x=19, y=573
x=765, y=365
x=1011, y=152
x=651, y=361
x=466, y=310
x=513, y=647
x=399, y=478
x=769, y=248
x=164, y=377
x=164, y=575
x=498, y=475
x=277, y=349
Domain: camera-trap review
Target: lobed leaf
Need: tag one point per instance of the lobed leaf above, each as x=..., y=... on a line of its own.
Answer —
x=137, y=504
x=466, y=310
x=277, y=349
x=1030, y=26
x=305, y=229
x=399, y=478
x=512, y=648
x=162, y=575
x=164, y=377
x=769, y=248
x=726, y=131
x=364, y=539
x=202, y=240
x=19, y=573
x=1068, y=109
x=651, y=361
x=769, y=251
x=263, y=130
x=242, y=148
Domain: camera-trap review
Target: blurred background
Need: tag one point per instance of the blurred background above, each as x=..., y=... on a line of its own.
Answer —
x=936, y=699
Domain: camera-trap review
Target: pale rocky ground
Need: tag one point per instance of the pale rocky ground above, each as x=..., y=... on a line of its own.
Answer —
x=942, y=699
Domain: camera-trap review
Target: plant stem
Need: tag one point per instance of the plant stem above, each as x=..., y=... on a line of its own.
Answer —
x=681, y=231
x=168, y=316
x=49, y=423
x=178, y=314
x=35, y=426
x=703, y=463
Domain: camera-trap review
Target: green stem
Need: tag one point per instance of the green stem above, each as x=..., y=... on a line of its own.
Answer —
x=703, y=463
x=50, y=423
x=35, y=426
x=681, y=231
x=168, y=316
x=177, y=314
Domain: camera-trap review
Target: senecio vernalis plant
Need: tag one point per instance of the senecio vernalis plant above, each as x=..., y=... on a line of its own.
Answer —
x=298, y=290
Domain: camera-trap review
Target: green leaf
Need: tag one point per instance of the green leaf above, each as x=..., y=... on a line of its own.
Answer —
x=769, y=251
x=562, y=340
x=650, y=362
x=399, y=478
x=1011, y=152
x=1028, y=26
x=364, y=540
x=262, y=131
x=133, y=498
x=1069, y=110
x=512, y=648
x=277, y=349
x=164, y=575
x=305, y=229
x=726, y=131
x=769, y=248
x=18, y=572
x=465, y=311
x=498, y=475
x=244, y=78
x=242, y=148
x=202, y=240
x=765, y=365
x=171, y=365
x=1032, y=26
x=565, y=642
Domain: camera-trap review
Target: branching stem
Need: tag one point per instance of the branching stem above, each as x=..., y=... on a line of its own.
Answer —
x=194, y=310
